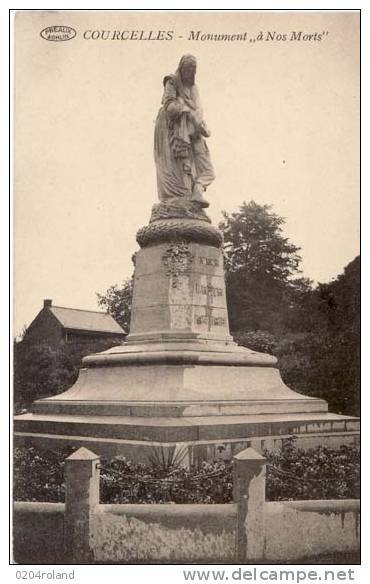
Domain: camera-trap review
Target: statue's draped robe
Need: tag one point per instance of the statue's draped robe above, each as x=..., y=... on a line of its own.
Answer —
x=180, y=151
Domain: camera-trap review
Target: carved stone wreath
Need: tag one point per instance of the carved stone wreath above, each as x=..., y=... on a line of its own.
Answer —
x=177, y=230
x=177, y=260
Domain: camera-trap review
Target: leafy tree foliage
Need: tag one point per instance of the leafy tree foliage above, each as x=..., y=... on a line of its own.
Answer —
x=41, y=370
x=324, y=359
x=315, y=332
x=262, y=269
x=117, y=301
x=319, y=351
x=254, y=243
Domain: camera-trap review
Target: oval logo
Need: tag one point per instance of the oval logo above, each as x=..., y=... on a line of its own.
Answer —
x=58, y=33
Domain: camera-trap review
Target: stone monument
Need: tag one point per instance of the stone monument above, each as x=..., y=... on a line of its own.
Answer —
x=180, y=381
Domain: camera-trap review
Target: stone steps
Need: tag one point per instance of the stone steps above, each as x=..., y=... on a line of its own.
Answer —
x=187, y=429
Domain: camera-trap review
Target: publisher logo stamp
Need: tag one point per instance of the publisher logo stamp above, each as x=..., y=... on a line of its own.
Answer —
x=58, y=33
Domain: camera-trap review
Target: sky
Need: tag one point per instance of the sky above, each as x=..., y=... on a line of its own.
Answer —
x=284, y=117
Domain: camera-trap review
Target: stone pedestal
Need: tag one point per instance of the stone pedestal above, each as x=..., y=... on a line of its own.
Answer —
x=179, y=290
x=180, y=381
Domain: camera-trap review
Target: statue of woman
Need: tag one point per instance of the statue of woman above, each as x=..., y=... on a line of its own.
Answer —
x=184, y=168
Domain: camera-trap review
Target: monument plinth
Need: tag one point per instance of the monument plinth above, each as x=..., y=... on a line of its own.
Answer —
x=180, y=379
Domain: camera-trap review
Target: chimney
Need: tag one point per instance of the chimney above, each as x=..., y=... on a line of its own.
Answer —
x=47, y=303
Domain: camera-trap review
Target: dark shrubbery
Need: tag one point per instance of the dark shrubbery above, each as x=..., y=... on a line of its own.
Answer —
x=319, y=473
x=123, y=481
x=38, y=475
x=41, y=370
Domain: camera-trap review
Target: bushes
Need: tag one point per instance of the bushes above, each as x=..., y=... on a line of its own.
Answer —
x=319, y=473
x=41, y=370
x=322, y=363
x=261, y=341
x=315, y=333
x=38, y=476
x=325, y=365
x=125, y=482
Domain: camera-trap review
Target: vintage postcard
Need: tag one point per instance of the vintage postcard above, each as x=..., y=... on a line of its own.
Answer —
x=186, y=288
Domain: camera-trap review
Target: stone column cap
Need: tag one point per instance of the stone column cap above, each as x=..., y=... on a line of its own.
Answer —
x=249, y=454
x=83, y=454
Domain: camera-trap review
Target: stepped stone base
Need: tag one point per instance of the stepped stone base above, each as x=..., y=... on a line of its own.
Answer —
x=203, y=437
x=180, y=382
x=131, y=400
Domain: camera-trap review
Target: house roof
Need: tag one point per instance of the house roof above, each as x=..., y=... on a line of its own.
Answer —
x=86, y=320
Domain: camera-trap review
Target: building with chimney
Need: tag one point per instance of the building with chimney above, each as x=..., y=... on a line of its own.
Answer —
x=55, y=325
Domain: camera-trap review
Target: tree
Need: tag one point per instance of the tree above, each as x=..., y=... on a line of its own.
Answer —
x=313, y=332
x=324, y=360
x=41, y=370
x=117, y=301
x=261, y=270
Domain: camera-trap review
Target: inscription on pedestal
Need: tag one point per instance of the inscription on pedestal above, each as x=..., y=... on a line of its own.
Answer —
x=179, y=287
x=208, y=290
x=208, y=261
x=211, y=320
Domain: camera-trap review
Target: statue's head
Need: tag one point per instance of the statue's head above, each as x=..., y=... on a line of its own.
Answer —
x=187, y=69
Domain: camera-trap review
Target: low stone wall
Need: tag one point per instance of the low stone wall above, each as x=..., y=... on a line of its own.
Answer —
x=38, y=533
x=85, y=531
x=207, y=518
x=39, y=527
x=164, y=533
x=296, y=530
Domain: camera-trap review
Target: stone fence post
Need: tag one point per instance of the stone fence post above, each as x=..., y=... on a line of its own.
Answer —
x=82, y=496
x=249, y=495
